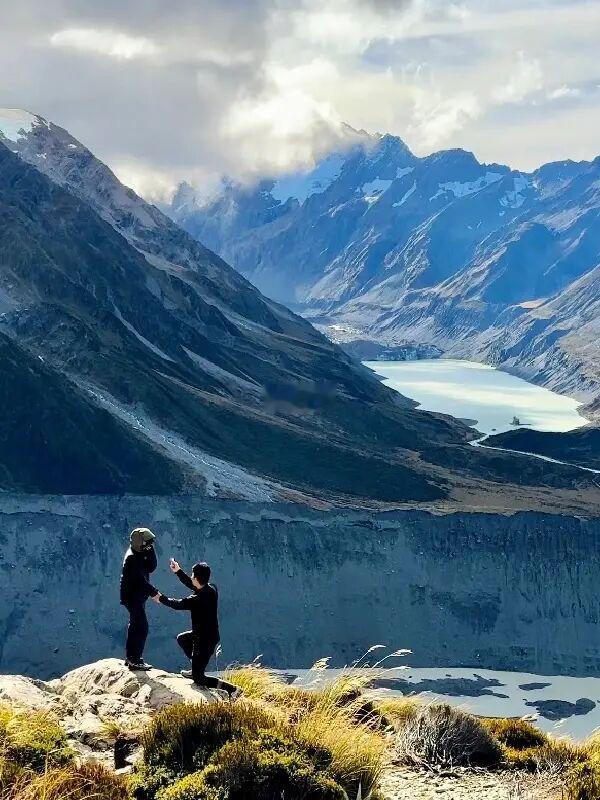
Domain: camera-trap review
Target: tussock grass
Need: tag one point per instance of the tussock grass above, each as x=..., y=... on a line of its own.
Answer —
x=528, y=748
x=397, y=710
x=256, y=682
x=85, y=782
x=324, y=744
x=584, y=783
x=441, y=735
x=340, y=725
x=32, y=739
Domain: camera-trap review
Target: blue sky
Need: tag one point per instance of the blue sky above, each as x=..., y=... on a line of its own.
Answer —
x=192, y=89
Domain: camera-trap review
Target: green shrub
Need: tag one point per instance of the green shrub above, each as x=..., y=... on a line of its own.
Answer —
x=192, y=787
x=147, y=780
x=33, y=739
x=441, y=735
x=182, y=737
x=528, y=748
x=245, y=769
x=518, y=734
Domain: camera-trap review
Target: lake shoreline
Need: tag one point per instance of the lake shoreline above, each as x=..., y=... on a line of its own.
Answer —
x=489, y=400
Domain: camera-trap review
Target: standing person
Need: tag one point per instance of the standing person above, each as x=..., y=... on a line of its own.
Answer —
x=200, y=643
x=138, y=564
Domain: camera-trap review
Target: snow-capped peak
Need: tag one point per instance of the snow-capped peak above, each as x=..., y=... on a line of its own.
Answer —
x=15, y=123
x=301, y=185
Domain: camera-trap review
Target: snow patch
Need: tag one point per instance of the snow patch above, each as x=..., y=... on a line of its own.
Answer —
x=15, y=123
x=515, y=199
x=402, y=171
x=219, y=475
x=410, y=192
x=528, y=304
x=460, y=189
x=222, y=374
x=156, y=350
x=373, y=190
x=301, y=185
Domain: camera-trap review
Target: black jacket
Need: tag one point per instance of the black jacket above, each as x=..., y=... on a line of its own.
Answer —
x=203, y=605
x=135, y=583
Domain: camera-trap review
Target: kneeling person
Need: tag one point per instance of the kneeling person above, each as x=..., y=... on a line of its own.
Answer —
x=200, y=643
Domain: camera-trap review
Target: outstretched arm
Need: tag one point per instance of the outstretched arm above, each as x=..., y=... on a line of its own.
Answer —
x=177, y=605
x=183, y=576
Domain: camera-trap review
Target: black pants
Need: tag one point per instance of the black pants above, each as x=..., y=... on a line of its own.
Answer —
x=200, y=652
x=137, y=632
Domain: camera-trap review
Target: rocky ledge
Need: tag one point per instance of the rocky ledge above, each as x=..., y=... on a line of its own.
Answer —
x=103, y=706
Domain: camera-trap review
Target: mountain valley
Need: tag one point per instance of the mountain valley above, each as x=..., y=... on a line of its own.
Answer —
x=477, y=260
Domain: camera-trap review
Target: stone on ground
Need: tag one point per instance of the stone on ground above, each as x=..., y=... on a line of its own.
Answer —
x=94, y=702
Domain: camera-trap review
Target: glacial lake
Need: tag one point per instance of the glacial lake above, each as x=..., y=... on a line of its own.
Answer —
x=562, y=705
x=487, y=398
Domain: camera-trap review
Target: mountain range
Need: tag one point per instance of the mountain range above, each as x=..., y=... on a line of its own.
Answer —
x=140, y=362
x=382, y=249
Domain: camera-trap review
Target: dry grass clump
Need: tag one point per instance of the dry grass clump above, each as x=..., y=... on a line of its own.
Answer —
x=85, y=782
x=440, y=735
x=32, y=739
x=397, y=710
x=37, y=764
x=584, y=783
x=256, y=682
x=350, y=734
x=528, y=748
x=334, y=715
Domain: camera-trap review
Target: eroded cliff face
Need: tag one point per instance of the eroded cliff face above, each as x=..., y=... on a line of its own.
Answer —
x=507, y=592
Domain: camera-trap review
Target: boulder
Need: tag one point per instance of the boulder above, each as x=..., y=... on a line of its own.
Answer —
x=99, y=704
x=16, y=690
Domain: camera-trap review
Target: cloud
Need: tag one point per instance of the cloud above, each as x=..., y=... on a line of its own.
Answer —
x=437, y=119
x=105, y=42
x=563, y=91
x=194, y=89
x=526, y=79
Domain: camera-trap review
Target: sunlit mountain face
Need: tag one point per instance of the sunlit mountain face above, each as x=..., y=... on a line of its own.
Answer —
x=477, y=260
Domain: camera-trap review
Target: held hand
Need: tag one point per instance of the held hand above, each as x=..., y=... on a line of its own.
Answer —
x=156, y=597
x=174, y=565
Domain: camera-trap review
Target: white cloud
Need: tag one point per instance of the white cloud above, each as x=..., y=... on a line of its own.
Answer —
x=175, y=89
x=526, y=78
x=280, y=130
x=437, y=119
x=105, y=42
x=563, y=91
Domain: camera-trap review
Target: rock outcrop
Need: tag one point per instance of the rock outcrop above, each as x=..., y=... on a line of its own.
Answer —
x=103, y=706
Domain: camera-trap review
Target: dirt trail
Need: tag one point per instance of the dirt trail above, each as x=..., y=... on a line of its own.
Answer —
x=400, y=783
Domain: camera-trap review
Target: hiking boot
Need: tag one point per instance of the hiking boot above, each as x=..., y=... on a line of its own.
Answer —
x=236, y=694
x=187, y=673
x=138, y=666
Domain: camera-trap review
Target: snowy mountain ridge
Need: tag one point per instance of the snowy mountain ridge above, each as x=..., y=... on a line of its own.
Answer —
x=475, y=259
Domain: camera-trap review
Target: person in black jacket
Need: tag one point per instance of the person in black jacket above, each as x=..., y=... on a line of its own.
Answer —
x=138, y=564
x=200, y=643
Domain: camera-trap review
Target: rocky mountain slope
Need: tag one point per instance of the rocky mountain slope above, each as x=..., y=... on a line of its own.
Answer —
x=476, y=259
x=54, y=439
x=155, y=329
